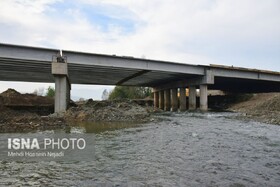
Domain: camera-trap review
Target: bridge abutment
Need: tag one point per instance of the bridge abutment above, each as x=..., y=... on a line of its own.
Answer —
x=62, y=86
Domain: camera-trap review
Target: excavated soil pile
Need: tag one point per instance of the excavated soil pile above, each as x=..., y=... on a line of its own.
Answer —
x=21, y=112
x=27, y=102
x=117, y=110
x=11, y=98
x=262, y=107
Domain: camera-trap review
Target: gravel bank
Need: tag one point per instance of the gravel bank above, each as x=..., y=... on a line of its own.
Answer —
x=263, y=107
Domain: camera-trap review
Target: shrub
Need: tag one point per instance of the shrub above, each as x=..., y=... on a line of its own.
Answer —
x=127, y=92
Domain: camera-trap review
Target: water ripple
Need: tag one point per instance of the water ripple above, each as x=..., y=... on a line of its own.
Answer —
x=189, y=149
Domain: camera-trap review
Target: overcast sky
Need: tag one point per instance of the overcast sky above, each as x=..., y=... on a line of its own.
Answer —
x=242, y=33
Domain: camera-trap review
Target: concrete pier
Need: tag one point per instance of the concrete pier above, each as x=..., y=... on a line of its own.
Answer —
x=203, y=98
x=62, y=94
x=62, y=86
x=182, y=99
x=161, y=100
x=156, y=99
x=192, y=98
x=174, y=99
x=167, y=100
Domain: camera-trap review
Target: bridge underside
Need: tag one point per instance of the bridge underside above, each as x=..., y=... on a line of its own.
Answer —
x=31, y=64
x=99, y=75
x=34, y=71
x=237, y=85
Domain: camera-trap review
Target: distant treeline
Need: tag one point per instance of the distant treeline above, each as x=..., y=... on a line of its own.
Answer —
x=128, y=92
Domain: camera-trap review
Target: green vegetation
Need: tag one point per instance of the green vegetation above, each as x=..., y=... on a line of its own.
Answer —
x=50, y=92
x=127, y=92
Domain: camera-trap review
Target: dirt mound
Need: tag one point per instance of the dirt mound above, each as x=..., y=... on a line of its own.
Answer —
x=26, y=102
x=265, y=101
x=11, y=97
x=10, y=93
x=263, y=107
x=21, y=112
x=118, y=110
x=272, y=103
x=24, y=121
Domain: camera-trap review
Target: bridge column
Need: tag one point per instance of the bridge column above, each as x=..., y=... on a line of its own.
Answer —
x=161, y=100
x=182, y=99
x=203, y=97
x=167, y=100
x=62, y=86
x=174, y=99
x=192, y=98
x=156, y=100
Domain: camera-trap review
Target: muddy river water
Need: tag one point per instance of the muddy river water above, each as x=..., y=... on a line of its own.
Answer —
x=183, y=149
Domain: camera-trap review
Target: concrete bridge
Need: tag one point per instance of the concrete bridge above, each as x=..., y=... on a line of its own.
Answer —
x=34, y=64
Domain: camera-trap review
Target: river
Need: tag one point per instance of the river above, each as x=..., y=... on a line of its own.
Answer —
x=183, y=149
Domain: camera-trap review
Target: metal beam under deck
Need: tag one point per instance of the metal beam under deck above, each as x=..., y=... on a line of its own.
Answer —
x=131, y=63
x=33, y=64
x=238, y=85
x=132, y=76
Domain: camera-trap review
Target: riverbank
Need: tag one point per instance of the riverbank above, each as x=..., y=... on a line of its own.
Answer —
x=26, y=112
x=116, y=110
x=23, y=112
x=264, y=107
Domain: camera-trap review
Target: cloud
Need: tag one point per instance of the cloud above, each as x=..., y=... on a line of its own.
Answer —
x=194, y=31
x=240, y=33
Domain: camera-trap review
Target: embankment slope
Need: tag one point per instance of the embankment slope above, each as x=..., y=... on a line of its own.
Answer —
x=264, y=107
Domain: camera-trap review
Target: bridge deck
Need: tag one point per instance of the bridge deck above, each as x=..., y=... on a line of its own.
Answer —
x=33, y=64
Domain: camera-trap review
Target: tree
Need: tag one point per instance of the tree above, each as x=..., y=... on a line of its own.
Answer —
x=127, y=92
x=50, y=92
